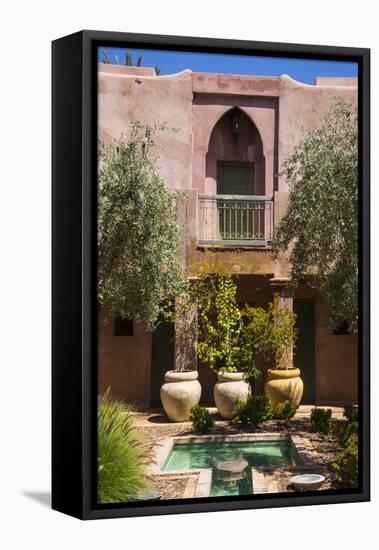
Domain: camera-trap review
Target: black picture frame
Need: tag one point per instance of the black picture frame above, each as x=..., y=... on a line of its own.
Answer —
x=74, y=387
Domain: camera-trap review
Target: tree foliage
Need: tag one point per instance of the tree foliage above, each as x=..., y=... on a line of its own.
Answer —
x=267, y=332
x=138, y=231
x=321, y=223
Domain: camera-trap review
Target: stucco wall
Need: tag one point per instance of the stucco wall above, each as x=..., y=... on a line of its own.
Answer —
x=126, y=97
x=191, y=104
x=208, y=110
x=301, y=108
x=336, y=357
x=124, y=363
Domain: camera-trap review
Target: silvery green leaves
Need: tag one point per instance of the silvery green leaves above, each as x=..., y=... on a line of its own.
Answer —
x=138, y=231
x=321, y=223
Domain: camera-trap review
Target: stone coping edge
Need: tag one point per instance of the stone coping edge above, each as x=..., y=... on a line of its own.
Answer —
x=204, y=481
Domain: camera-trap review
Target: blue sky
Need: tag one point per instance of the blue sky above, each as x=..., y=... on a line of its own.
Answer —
x=303, y=70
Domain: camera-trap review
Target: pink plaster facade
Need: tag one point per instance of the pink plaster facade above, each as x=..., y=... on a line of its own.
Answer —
x=197, y=109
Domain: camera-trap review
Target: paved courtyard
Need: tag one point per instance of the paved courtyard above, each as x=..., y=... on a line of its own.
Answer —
x=320, y=450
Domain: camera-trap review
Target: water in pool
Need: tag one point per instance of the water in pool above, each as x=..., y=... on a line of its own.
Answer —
x=194, y=456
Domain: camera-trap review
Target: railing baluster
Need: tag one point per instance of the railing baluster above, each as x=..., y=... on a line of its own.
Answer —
x=235, y=218
x=242, y=212
x=232, y=216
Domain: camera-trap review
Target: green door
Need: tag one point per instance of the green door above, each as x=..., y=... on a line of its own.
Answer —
x=162, y=359
x=235, y=178
x=304, y=357
x=236, y=216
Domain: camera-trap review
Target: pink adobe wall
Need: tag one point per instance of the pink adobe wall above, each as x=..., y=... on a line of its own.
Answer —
x=125, y=69
x=301, y=108
x=336, y=357
x=192, y=103
x=336, y=81
x=208, y=110
x=124, y=363
x=236, y=84
x=125, y=95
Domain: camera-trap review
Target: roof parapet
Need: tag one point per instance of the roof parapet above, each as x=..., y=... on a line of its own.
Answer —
x=336, y=81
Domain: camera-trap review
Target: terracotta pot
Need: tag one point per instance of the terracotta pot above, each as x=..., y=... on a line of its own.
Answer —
x=229, y=389
x=179, y=393
x=284, y=385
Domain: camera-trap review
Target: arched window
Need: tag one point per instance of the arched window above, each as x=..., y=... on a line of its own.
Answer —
x=235, y=163
x=235, y=174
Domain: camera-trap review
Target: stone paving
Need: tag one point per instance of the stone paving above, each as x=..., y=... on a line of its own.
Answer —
x=323, y=450
x=175, y=486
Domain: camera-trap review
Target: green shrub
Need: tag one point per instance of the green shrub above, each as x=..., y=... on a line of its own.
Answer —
x=348, y=430
x=202, y=421
x=346, y=467
x=285, y=410
x=255, y=410
x=122, y=457
x=351, y=413
x=267, y=333
x=241, y=413
x=321, y=421
x=260, y=409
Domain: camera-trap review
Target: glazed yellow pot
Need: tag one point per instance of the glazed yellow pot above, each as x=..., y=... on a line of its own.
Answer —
x=284, y=385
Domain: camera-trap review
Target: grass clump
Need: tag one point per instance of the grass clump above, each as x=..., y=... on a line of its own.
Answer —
x=122, y=456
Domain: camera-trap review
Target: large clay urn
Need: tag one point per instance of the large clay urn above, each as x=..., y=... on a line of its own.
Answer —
x=229, y=389
x=284, y=385
x=179, y=393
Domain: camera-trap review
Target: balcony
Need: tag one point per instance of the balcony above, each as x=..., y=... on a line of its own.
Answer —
x=235, y=220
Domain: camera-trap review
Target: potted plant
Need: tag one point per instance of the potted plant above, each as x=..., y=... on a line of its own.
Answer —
x=181, y=389
x=273, y=335
x=219, y=342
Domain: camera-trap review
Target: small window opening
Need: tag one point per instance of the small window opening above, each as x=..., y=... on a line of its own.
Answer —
x=342, y=329
x=123, y=327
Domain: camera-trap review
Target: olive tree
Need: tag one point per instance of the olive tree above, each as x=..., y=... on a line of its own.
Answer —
x=138, y=231
x=320, y=226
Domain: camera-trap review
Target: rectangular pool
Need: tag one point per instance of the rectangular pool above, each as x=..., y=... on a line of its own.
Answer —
x=194, y=456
